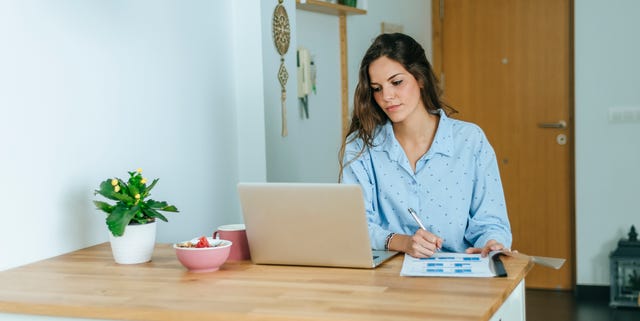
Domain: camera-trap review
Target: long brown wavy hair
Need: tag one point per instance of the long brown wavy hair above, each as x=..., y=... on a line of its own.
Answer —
x=367, y=115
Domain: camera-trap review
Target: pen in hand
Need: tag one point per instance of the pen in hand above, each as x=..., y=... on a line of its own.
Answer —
x=417, y=219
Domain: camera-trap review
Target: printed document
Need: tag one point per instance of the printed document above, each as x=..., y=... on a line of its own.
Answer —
x=453, y=265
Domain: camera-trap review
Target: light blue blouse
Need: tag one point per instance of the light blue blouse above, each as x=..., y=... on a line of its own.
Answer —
x=456, y=188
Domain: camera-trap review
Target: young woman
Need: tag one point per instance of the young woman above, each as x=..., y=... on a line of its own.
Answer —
x=405, y=152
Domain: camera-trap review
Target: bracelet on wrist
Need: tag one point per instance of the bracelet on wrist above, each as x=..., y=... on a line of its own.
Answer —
x=388, y=240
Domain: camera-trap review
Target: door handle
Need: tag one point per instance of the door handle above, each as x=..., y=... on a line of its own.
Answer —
x=560, y=125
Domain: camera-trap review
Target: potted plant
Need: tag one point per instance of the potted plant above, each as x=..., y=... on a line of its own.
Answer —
x=132, y=219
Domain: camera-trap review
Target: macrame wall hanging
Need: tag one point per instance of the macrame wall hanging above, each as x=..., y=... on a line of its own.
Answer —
x=281, y=39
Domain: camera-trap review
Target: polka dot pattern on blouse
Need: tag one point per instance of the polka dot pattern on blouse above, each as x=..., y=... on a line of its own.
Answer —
x=456, y=188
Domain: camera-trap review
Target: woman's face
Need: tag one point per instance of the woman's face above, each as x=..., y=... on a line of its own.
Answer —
x=395, y=90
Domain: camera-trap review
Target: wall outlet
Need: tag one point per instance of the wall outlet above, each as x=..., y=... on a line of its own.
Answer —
x=386, y=27
x=630, y=114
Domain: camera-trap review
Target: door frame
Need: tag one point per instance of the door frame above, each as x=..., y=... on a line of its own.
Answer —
x=437, y=14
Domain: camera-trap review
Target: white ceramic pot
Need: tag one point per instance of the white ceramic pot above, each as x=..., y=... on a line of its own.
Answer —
x=135, y=245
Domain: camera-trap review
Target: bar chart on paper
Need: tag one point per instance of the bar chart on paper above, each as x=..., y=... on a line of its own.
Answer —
x=450, y=265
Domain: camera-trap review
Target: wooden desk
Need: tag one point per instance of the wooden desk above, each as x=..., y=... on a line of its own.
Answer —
x=88, y=284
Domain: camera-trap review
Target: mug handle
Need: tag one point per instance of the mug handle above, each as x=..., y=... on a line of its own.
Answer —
x=215, y=235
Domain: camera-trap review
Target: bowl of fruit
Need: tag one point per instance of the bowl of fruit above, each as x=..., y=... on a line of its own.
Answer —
x=203, y=254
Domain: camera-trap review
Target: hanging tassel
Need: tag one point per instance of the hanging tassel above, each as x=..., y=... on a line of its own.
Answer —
x=284, y=112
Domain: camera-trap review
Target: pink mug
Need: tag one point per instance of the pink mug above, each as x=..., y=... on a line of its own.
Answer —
x=237, y=234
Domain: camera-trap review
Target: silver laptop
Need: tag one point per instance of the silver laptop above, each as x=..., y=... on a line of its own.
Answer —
x=316, y=224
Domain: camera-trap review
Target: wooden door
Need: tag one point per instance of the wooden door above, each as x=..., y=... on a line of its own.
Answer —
x=506, y=65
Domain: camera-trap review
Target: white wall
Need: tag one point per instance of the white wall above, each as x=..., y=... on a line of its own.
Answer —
x=310, y=152
x=607, y=74
x=249, y=96
x=91, y=89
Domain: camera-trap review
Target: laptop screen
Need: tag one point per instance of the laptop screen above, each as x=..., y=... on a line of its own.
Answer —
x=319, y=224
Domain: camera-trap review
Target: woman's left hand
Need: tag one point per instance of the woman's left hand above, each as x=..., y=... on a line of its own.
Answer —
x=492, y=245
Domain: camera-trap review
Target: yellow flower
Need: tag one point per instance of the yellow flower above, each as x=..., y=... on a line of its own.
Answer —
x=116, y=188
x=143, y=181
x=137, y=196
x=139, y=170
x=114, y=182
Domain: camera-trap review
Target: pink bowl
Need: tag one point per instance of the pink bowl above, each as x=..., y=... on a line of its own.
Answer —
x=206, y=259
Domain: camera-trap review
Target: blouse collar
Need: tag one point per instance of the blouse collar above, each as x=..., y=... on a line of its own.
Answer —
x=385, y=139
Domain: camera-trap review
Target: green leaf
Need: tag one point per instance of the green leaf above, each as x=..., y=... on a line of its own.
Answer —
x=142, y=220
x=150, y=187
x=106, y=190
x=155, y=214
x=104, y=206
x=123, y=197
x=133, y=190
x=118, y=220
x=170, y=208
x=161, y=206
x=155, y=204
x=124, y=186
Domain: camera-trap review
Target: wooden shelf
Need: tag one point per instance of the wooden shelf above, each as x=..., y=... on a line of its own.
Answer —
x=328, y=8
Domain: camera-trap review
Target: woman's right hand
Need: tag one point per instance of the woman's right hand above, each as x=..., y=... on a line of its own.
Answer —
x=420, y=245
